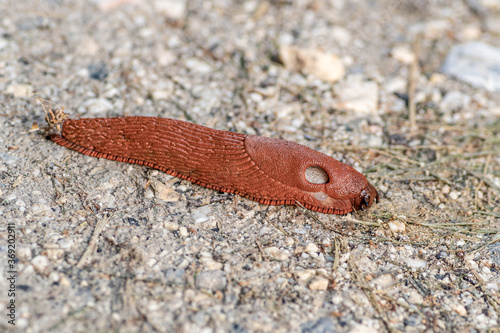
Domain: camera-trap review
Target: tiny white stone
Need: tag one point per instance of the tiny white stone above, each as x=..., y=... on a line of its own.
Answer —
x=183, y=232
x=173, y=9
x=397, y=226
x=304, y=275
x=165, y=192
x=19, y=90
x=403, y=53
x=357, y=95
x=200, y=215
x=211, y=280
x=276, y=253
x=40, y=263
x=95, y=106
x=312, y=248
x=460, y=310
x=199, y=66
x=318, y=283
x=3, y=43
x=324, y=66
x=172, y=226
x=446, y=189
x=384, y=281
x=416, y=263
x=54, y=276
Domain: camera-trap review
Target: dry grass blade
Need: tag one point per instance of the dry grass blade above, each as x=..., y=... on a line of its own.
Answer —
x=93, y=241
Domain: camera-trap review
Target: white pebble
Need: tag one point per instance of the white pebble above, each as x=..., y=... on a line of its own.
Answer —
x=276, y=253
x=211, y=280
x=95, y=106
x=460, y=310
x=166, y=193
x=324, y=66
x=416, y=263
x=19, y=90
x=172, y=226
x=446, y=189
x=200, y=215
x=312, y=248
x=397, y=226
x=304, y=275
x=357, y=95
x=454, y=195
x=40, y=263
x=183, y=232
x=403, y=54
x=319, y=283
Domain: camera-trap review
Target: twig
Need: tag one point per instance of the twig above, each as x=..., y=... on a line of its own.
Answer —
x=368, y=290
x=376, y=224
x=93, y=241
x=483, y=178
x=495, y=239
x=412, y=85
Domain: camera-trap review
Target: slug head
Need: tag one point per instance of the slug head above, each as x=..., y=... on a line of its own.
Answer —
x=314, y=179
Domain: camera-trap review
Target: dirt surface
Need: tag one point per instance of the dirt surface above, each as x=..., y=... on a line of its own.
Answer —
x=107, y=246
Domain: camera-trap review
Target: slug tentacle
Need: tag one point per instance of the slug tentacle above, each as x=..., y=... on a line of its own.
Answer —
x=269, y=171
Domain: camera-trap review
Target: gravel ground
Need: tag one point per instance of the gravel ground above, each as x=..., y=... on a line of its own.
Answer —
x=107, y=246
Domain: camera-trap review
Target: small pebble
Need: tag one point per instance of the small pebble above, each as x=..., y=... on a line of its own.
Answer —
x=211, y=264
x=175, y=276
x=359, y=328
x=341, y=35
x=211, y=280
x=166, y=193
x=95, y=106
x=403, y=54
x=414, y=297
x=54, y=276
x=98, y=71
x=304, y=275
x=384, y=281
x=276, y=253
x=358, y=95
x=172, y=226
x=3, y=43
x=55, y=255
x=416, y=263
x=311, y=247
x=493, y=24
x=454, y=195
x=460, y=310
x=446, y=189
x=455, y=101
x=397, y=226
x=183, y=232
x=40, y=263
x=475, y=63
x=24, y=253
x=318, y=283
x=39, y=209
x=19, y=90
x=172, y=9
x=431, y=30
x=200, y=215
x=198, y=66
x=324, y=66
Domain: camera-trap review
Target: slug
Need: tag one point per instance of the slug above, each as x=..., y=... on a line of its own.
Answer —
x=269, y=171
